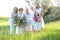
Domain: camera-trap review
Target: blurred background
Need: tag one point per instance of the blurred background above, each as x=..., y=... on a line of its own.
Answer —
x=51, y=18
x=51, y=7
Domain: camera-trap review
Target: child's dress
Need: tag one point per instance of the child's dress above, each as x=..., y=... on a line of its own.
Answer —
x=11, y=21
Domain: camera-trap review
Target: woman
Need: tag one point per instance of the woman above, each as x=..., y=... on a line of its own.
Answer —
x=12, y=19
x=32, y=18
x=20, y=25
x=40, y=23
x=27, y=16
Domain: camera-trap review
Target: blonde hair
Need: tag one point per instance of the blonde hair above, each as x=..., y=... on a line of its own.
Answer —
x=39, y=5
x=15, y=8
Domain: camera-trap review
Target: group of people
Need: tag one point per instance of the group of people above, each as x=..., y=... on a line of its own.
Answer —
x=27, y=21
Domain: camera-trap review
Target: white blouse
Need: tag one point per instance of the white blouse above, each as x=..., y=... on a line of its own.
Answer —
x=13, y=15
x=39, y=11
x=32, y=15
x=20, y=16
x=27, y=16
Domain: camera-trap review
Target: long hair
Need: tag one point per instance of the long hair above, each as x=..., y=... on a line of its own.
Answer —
x=38, y=6
x=15, y=9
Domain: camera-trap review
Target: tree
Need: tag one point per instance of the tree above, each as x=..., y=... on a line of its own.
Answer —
x=44, y=3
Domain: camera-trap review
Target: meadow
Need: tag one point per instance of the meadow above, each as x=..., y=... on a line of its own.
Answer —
x=50, y=32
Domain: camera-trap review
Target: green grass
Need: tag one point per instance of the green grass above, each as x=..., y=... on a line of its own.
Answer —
x=50, y=32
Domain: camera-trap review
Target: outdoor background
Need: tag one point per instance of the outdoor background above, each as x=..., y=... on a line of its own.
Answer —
x=51, y=18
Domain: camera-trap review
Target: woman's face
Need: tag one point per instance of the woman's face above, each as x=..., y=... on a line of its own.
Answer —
x=21, y=10
x=16, y=9
x=37, y=5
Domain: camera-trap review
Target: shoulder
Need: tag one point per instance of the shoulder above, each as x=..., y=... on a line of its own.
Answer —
x=18, y=13
x=24, y=14
x=12, y=13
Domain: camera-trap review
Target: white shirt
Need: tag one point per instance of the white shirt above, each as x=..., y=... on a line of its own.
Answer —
x=20, y=15
x=27, y=16
x=32, y=15
x=39, y=11
x=13, y=15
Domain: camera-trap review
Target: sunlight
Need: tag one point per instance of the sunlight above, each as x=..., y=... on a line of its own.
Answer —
x=6, y=6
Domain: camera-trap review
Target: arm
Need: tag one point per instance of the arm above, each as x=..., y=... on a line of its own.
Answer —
x=12, y=15
x=42, y=12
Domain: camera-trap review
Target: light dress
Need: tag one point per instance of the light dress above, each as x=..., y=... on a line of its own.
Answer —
x=40, y=24
x=19, y=29
x=29, y=20
x=11, y=22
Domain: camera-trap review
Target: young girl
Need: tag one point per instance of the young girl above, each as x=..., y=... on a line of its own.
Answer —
x=19, y=28
x=32, y=18
x=29, y=19
x=12, y=18
x=27, y=16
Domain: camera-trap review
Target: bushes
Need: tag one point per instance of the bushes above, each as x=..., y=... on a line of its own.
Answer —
x=52, y=14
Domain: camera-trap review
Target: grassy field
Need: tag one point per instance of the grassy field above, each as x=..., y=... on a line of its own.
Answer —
x=50, y=32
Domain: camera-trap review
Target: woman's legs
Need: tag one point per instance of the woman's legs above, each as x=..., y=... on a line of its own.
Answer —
x=32, y=25
x=32, y=28
x=11, y=26
x=42, y=24
x=27, y=28
x=21, y=29
x=17, y=29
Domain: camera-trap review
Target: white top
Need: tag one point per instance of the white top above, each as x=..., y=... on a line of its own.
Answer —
x=20, y=15
x=39, y=11
x=29, y=16
x=13, y=15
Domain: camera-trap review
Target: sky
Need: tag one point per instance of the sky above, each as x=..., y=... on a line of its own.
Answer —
x=6, y=6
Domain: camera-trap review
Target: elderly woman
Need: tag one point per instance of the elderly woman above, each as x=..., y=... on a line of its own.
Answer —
x=39, y=22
